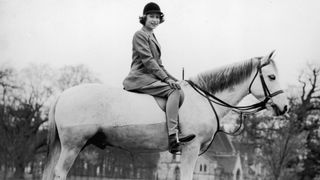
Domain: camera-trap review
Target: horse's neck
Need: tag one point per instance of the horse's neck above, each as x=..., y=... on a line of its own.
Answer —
x=230, y=84
x=233, y=96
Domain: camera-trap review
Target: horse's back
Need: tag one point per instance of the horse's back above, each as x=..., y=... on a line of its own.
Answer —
x=99, y=104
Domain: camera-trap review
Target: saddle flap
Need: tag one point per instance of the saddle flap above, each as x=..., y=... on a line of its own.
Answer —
x=161, y=102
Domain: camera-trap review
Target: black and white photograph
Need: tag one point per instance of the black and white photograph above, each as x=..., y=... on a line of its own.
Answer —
x=159, y=90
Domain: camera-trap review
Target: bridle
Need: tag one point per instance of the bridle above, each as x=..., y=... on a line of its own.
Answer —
x=266, y=91
x=242, y=110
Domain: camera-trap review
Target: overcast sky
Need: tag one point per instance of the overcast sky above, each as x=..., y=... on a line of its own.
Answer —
x=197, y=34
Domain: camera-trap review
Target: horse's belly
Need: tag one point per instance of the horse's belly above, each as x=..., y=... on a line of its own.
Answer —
x=148, y=137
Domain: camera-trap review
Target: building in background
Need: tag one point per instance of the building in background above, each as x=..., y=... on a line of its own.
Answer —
x=220, y=162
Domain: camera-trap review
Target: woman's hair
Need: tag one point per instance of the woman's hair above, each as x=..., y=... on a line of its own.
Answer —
x=143, y=19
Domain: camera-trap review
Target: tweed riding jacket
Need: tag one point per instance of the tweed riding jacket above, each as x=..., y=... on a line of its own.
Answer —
x=146, y=66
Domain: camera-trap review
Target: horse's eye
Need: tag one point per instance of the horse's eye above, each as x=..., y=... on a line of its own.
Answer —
x=272, y=77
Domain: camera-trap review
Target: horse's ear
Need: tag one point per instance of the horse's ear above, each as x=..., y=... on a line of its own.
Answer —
x=271, y=54
x=266, y=59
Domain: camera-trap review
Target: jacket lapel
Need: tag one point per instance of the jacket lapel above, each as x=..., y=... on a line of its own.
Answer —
x=154, y=39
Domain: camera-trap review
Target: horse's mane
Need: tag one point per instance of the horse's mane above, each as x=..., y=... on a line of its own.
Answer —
x=219, y=79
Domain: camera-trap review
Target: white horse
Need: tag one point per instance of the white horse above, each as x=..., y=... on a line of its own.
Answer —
x=99, y=115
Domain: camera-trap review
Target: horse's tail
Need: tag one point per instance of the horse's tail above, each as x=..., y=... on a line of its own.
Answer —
x=54, y=146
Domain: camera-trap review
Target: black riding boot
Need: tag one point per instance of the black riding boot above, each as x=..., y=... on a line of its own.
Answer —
x=176, y=140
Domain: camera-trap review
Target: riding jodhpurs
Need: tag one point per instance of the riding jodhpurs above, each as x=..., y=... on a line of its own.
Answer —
x=172, y=111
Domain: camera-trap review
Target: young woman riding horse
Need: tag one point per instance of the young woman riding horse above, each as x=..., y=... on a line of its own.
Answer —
x=103, y=116
x=148, y=75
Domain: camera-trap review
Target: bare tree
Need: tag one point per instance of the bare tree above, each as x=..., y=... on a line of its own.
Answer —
x=276, y=142
x=25, y=100
x=309, y=99
x=23, y=115
x=307, y=110
x=70, y=76
x=6, y=85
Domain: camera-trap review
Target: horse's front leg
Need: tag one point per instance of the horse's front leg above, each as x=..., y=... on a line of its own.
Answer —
x=189, y=158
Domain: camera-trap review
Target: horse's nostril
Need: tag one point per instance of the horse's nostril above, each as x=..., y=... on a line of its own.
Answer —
x=285, y=110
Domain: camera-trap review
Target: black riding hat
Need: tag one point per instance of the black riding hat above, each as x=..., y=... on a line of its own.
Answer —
x=152, y=8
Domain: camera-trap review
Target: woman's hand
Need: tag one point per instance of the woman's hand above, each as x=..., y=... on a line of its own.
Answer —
x=172, y=83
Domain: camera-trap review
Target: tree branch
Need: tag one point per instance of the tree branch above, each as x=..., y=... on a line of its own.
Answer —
x=303, y=90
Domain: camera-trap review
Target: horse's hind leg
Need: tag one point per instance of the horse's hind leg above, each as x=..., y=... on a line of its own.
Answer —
x=66, y=159
x=70, y=148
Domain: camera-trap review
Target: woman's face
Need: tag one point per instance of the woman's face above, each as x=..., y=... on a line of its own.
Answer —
x=152, y=21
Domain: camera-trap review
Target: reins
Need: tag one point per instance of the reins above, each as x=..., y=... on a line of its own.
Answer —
x=250, y=109
x=242, y=110
x=213, y=99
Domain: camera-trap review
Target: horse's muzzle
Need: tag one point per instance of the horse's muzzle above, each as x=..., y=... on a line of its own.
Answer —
x=278, y=111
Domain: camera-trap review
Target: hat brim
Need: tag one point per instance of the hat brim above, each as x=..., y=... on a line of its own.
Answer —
x=154, y=11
